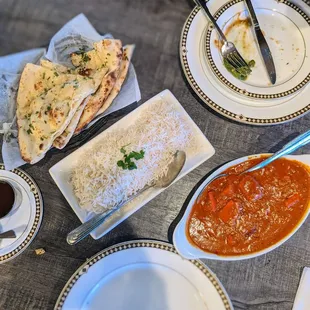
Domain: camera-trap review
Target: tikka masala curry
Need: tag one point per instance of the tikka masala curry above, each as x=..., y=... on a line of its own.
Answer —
x=242, y=214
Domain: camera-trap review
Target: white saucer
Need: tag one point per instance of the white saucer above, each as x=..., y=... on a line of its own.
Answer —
x=143, y=275
x=25, y=220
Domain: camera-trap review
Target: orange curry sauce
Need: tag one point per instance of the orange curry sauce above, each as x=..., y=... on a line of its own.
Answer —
x=248, y=213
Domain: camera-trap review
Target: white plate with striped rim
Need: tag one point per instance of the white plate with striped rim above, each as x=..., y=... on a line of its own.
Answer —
x=279, y=21
x=220, y=98
x=143, y=275
x=24, y=220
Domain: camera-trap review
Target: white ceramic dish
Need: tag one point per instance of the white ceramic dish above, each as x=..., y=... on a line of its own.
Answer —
x=187, y=250
x=279, y=21
x=222, y=99
x=61, y=171
x=26, y=219
x=143, y=275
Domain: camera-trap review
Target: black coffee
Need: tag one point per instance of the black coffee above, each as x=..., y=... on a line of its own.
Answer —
x=7, y=198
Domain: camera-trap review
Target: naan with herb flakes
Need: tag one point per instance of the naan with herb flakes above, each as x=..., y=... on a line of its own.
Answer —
x=127, y=55
x=62, y=140
x=46, y=103
x=60, y=69
x=106, y=54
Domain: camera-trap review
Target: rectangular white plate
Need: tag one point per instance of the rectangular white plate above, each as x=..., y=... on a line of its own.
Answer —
x=61, y=171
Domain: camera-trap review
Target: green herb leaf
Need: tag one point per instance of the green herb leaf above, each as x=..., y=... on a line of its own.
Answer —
x=56, y=74
x=85, y=57
x=132, y=166
x=120, y=163
x=127, y=163
x=137, y=155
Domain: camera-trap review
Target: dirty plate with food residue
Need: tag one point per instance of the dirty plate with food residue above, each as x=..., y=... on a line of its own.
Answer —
x=286, y=28
x=251, y=101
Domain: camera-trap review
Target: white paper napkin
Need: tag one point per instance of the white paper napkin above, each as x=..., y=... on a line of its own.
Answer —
x=77, y=33
x=302, y=299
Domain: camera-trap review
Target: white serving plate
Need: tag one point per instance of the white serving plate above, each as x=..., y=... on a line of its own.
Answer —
x=143, y=275
x=62, y=170
x=187, y=250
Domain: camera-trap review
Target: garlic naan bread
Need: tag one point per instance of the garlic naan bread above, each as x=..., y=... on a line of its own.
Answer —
x=62, y=140
x=57, y=67
x=106, y=54
x=46, y=103
x=127, y=55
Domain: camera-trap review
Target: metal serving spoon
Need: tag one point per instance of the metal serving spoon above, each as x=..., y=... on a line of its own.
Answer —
x=85, y=229
x=10, y=234
x=289, y=148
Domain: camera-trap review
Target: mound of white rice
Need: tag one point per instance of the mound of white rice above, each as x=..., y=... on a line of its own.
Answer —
x=100, y=184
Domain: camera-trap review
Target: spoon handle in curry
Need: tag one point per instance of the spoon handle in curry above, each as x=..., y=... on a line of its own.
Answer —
x=289, y=148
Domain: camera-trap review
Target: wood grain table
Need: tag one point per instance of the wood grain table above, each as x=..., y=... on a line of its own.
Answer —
x=34, y=282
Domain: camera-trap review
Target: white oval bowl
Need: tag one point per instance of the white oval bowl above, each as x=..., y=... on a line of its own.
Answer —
x=189, y=251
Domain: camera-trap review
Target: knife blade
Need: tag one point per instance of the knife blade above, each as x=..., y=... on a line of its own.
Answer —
x=262, y=43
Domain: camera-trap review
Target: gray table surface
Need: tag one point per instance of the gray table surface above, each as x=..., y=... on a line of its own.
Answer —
x=34, y=282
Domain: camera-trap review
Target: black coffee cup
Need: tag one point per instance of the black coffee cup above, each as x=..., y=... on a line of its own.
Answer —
x=10, y=197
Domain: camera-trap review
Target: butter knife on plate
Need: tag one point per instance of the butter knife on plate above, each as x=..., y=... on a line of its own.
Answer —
x=264, y=48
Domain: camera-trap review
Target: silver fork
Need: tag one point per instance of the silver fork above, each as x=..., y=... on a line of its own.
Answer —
x=228, y=49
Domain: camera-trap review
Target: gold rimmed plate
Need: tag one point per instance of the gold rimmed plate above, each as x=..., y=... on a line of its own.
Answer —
x=24, y=220
x=141, y=275
x=287, y=30
x=219, y=97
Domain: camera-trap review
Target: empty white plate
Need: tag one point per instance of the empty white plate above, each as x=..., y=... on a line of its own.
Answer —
x=143, y=275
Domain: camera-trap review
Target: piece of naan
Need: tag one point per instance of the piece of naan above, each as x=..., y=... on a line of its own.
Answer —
x=46, y=103
x=106, y=54
x=62, y=140
x=127, y=55
x=60, y=69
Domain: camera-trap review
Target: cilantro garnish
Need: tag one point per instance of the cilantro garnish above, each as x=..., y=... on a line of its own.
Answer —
x=127, y=163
